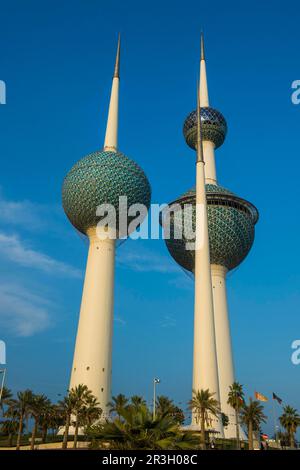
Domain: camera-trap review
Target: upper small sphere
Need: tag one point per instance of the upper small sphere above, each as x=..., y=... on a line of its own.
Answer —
x=214, y=127
x=101, y=178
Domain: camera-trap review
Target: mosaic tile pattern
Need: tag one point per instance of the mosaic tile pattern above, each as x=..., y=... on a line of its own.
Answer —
x=100, y=178
x=214, y=127
x=231, y=222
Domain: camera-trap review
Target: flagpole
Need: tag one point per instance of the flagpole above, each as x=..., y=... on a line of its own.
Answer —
x=275, y=421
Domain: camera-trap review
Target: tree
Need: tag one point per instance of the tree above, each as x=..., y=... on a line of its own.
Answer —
x=66, y=407
x=203, y=404
x=252, y=416
x=37, y=407
x=21, y=407
x=6, y=398
x=10, y=427
x=136, y=401
x=80, y=394
x=118, y=404
x=225, y=420
x=290, y=420
x=90, y=413
x=165, y=405
x=236, y=401
x=50, y=418
x=135, y=429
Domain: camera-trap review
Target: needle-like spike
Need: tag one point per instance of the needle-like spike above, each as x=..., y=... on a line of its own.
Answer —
x=117, y=65
x=111, y=135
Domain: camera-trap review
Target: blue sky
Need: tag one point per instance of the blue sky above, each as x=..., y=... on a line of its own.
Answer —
x=57, y=61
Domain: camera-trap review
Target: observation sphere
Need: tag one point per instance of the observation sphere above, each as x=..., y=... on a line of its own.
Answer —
x=231, y=222
x=101, y=178
x=214, y=127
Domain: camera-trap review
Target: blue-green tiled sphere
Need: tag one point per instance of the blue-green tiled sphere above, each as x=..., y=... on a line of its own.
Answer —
x=214, y=127
x=231, y=222
x=101, y=178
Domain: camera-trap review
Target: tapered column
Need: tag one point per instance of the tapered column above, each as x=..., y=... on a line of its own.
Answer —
x=111, y=135
x=210, y=165
x=223, y=344
x=208, y=146
x=93, y=349
x=205, y=368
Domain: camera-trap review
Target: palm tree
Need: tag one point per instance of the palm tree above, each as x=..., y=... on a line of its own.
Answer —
x=165, y=405
x=136, y=401
x=118, y=404
x=21, y=406
x=236, y=400
x=90, y=413
x=36, y=408
x=5, y=398
x=9, y=428
x=52, y=419
x=80, y=394
x=66, y=407
x=203, y=404
x=290, y=420
x=49, y=418
x=252, y=416
x=136, y=429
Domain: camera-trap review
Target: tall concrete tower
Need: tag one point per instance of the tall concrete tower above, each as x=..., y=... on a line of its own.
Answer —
x=96, y=181
x=205, y=366
x=231, y=222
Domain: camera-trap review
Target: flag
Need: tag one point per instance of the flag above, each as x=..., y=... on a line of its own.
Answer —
x=276, y=397
x=260, y=396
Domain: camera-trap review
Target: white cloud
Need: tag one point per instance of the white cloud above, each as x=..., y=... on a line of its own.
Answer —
x=185, y=281
x=14, y=249
x=28, y=215
x=146, y=261
x=22, y=312
x=168, y=321
x=119, y=320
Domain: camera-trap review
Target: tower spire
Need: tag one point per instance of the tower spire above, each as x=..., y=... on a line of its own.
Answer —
x=111, y=135
x=117, y=64
x=203, y=78
x=199, y=130
x=205, y=367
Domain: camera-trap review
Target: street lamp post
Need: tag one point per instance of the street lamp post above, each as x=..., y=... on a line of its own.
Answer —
x=155, y=382
x=2, y=371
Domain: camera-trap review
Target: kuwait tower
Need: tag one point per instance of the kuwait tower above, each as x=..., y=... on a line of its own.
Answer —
x=231, y=223
x=92, y=187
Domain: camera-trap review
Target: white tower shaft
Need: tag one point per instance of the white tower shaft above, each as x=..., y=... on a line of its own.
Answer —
x=92, y=361
x=218, y=273
x=210, y=165
x=93, y=349
x=205, y=368
x=208, y=146
x=223, y=344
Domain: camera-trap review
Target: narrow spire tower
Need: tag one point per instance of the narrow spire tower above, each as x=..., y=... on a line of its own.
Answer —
x=231, y=228
x=98, y=181
x=208, y=145
x=205, y=367
x=203, y=78
x=111, y=136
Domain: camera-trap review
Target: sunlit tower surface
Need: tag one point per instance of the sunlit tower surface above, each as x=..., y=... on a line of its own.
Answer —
x=231, y=226
x=98, y=179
